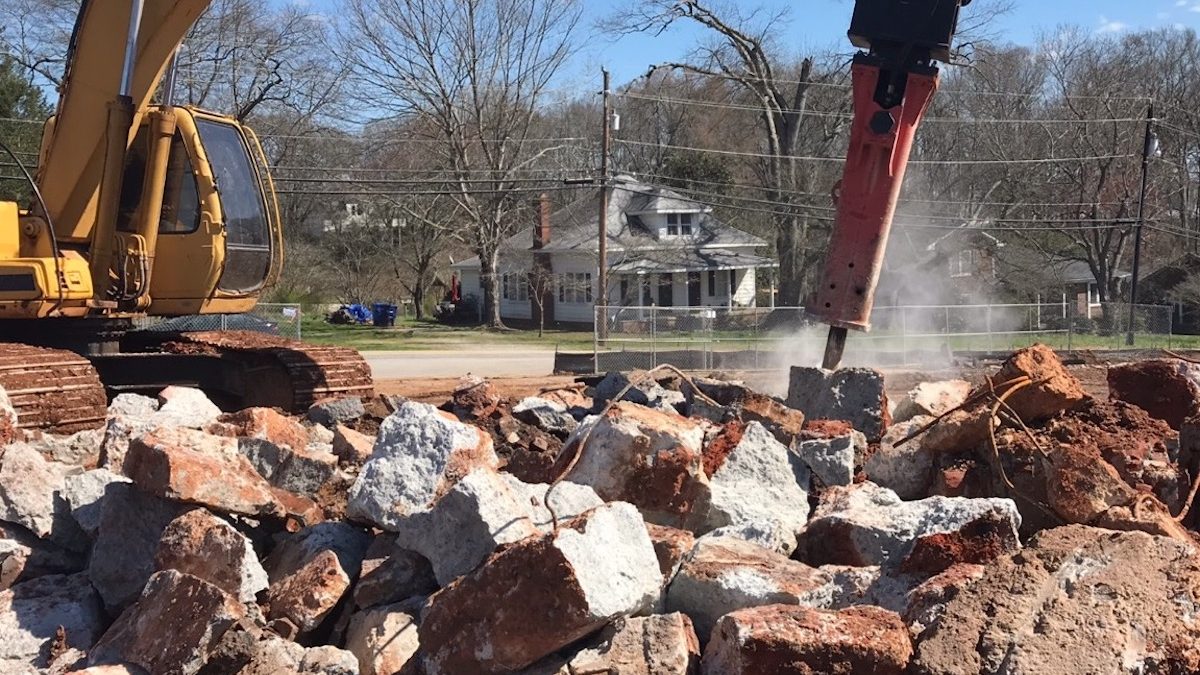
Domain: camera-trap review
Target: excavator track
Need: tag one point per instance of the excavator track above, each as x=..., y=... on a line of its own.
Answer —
x=279, y=372
x=52, y=389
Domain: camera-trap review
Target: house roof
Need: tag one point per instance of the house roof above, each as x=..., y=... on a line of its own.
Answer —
x=691, y=260
x=574, y=227
x=1078, y=272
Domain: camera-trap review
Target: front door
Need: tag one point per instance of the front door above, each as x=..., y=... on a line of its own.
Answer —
x=693, y=281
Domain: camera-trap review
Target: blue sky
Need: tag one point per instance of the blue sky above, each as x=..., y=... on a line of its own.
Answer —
x=821, y=24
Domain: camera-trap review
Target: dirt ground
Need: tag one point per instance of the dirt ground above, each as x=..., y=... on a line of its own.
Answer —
x=438, y=389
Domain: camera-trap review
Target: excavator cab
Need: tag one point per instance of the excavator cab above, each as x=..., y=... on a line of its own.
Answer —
x=214, y=243
x=219, y=237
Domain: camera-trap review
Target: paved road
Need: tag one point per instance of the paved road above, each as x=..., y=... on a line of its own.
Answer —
x=492, y=363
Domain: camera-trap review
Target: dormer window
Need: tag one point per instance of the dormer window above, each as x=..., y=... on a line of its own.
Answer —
x=679, y=224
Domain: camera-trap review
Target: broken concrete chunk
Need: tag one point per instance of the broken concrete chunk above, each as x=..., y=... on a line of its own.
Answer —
x=347, y=542
x=383, y=639
x=481, y=512
x=754, y=484
x=670, y=545
x=832, y=459
x=722, y=575
x=276, y=656
x=662, y=644
x=854, y=395
x=1112, y=601
x=926, y=603
x=301, y=471
x=32, y=612
x=799, y=640
x=31, y=496
x=1168, y=389
x=175, y=623
x=185, y=407
x=85, y=493
x=195, y=467
x=979, y=541
x=309, y=594
x=264, y=424
x=865, y=524
x=332, y=412
x=81, y=449
x=647, y=392
x=14, y=557
x=123, y=556
x=8, y=419
x=1054, y=390
x=547, y=415
x=204, y=546
x=391, y=574
x=645, y=457
x=907, y=470
x=351, y=446
x=1080, y=485
x=541, y=594
x=931, y=399
x=133, y=405
x=419, y=455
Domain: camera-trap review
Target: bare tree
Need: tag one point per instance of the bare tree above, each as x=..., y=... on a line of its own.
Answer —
x=475, y=73
x=741, y=52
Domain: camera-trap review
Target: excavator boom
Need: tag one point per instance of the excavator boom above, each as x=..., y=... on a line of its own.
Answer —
x=72, y=164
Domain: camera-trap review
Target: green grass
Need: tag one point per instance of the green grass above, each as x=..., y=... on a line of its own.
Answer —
x=412, y=335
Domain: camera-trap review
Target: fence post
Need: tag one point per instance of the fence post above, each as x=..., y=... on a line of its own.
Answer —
x=1070, y=330
x=653, y=336
x=595, y=340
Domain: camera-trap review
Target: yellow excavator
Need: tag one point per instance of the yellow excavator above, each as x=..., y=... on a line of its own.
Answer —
x=143, y=208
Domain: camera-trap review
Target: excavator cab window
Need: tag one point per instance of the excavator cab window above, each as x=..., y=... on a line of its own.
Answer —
x=248, y=235
x=181, y=198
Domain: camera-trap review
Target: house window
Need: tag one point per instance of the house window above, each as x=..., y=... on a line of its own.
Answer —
x=964, y=264
x=514, y=286
x=353, y=210
x=575, y=288
x=712, y=283
x=685, y=224
x=672, y=218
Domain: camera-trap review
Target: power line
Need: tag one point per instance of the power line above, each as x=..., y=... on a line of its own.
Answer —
x=390, y=140
x=826, y=195
x=377, y=181
x=418, y=193
x=944, y=162
x=909, y=221
x=844, y=115
x=952, y=92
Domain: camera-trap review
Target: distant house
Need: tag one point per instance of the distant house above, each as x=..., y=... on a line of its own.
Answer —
x=663, y=250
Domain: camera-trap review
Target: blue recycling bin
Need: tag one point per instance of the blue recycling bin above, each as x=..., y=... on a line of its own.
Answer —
x=384, y=315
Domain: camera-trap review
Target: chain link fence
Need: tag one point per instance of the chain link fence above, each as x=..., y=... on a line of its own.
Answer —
x=272, y=318
x=750, y=338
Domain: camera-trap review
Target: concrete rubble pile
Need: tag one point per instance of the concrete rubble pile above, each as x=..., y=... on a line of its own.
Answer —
x=639, y=526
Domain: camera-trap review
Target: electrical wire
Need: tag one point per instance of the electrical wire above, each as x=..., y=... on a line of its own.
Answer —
x=945, y=162
x=848, y=115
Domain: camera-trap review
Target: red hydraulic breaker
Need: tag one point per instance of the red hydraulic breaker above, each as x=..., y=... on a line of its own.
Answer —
x=893, y=85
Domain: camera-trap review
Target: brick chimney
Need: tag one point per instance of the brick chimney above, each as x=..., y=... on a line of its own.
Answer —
x=541, y=228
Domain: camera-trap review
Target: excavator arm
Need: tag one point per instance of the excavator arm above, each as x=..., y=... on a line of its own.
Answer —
x=76, y=145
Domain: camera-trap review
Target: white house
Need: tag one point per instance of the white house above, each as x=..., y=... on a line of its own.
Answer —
x=663, y=250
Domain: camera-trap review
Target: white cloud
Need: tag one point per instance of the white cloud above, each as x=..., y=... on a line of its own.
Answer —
x=1111, y=26
x=1181, y=3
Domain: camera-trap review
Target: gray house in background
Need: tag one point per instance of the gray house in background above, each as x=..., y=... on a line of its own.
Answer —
x=663, y=250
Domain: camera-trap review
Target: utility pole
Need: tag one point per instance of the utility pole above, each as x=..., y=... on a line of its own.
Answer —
x=604, y=182
x=1149, y=148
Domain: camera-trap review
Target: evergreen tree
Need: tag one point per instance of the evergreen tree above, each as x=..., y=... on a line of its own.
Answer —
x=21, y=102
